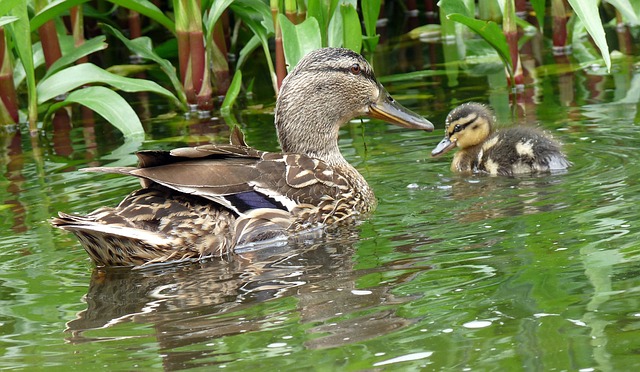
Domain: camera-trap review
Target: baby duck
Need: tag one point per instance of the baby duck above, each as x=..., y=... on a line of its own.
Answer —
x=507, y=152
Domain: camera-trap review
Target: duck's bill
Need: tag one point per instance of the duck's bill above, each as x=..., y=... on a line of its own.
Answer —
x=443, y=147
x=389, y=110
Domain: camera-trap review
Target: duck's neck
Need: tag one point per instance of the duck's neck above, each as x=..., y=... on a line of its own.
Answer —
x=309, y=127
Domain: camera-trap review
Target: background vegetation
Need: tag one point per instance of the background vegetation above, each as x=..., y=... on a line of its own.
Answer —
x=54, y=54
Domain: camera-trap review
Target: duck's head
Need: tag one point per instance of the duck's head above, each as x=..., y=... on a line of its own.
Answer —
x=327, y=89
x=467, y=125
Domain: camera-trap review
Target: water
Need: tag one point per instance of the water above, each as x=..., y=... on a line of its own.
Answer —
x=451, y=272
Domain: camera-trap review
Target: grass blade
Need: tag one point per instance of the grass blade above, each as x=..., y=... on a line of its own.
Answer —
x=232, y=93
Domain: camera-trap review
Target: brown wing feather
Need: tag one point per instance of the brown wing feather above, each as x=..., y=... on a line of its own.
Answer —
x=215, y=171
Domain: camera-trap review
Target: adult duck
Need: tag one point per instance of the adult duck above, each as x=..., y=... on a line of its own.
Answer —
x=210, y=200
x=511, y=151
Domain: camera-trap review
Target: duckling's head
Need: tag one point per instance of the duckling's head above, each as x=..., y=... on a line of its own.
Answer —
x=327, y=89
x=467, y=125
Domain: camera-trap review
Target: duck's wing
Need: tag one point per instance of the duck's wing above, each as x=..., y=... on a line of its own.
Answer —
x=238, y=177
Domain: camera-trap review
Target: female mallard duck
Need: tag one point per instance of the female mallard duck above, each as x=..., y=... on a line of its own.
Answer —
x=507, y=152
x=208, y=200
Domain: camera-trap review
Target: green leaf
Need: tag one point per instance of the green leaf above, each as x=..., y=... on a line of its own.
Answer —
x=588, y=13
x=370, y=13
x=352, y=31
x=490, y=32
x=19, y=31
x=246, y=50
x=257, y=16
x=115, y=109
x=216, y=10
x=6, y=20
x=88, y=47
x=626, y=9
x=539, y=8
x=298, y=40
x=52, y=10
x=87, y=73
x=454, y=6
x=142, y=46
x=322, y=11
x=232, y=93
x=7, y=5
x=148, y=9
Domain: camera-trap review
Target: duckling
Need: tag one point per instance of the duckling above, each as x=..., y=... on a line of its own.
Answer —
x=211, y=200
x=517, y=150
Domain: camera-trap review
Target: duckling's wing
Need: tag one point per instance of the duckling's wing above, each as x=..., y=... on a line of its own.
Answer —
x=237, y=177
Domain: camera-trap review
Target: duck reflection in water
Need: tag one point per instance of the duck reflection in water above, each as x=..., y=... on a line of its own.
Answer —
x=197, y=303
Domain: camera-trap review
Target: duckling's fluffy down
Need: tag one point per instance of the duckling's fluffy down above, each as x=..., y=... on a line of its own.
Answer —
x=520, y=150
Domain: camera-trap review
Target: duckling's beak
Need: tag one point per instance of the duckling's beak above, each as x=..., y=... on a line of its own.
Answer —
x=389, y=110
x=443, y=147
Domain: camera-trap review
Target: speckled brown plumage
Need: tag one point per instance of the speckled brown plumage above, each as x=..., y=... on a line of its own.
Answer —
x=511, y=151
x=209, y=200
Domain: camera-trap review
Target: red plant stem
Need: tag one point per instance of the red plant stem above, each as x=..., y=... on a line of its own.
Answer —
x=8, y=94
x=226, y=28
x=412, y=15
x=183, y=60
x=50, y=44
x=183, y=52
x=222, y=78
x=430, y=11
x=624, y=35
x=281, y=68
x=559, y=26
x=135, y=25
x=511, y=34
x=281, y=64
x=197, y=51
x=521, y=7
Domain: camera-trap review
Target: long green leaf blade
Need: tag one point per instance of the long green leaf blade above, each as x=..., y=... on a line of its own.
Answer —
x=232, y=93
x=53, y=10
x=111, y=106
x=587, y=11
x=257, y=16
x=626, y=9
x=539, y=8
x=490, y=32
x=76, y=76
x=21, y=35
x=89, y=46
x=6, y=20
x=142, y=46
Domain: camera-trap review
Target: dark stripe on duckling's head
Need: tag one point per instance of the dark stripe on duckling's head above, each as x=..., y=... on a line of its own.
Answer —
x=466, y=114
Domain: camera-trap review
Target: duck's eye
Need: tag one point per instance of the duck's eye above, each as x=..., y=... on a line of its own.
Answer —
x=457, y=128
x=355, y=69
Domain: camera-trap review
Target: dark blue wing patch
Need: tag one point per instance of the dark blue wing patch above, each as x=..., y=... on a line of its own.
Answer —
x=246, y=201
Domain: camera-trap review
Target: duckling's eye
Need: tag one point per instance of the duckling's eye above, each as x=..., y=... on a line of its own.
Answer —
x=457, y=128
x=355, y=69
